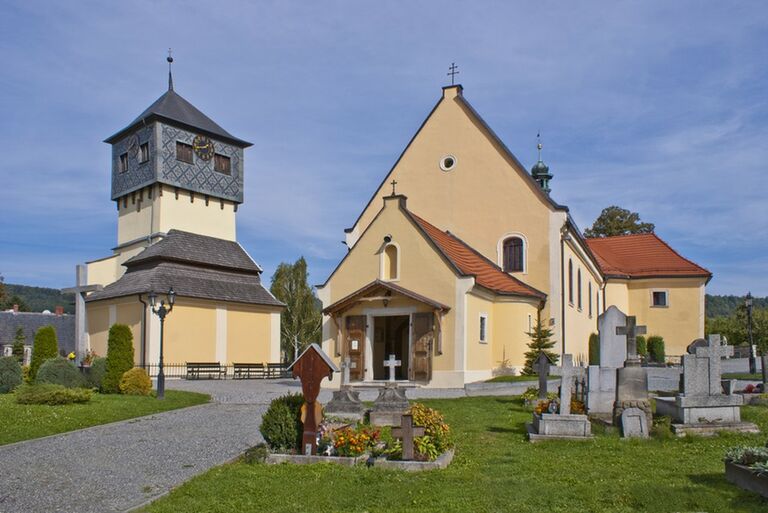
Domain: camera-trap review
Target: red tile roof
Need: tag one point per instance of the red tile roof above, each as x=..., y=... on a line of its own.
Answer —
x=642, y=255
x=469, y=262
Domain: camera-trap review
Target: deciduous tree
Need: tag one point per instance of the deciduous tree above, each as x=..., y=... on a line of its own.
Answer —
x=618, y=221
x=300, y=322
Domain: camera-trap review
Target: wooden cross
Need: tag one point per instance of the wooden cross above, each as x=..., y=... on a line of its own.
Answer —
x=715, y=352
x=393, y=183
x=407, y=432
x=453, y=72
x=631, y=330
x=567, y=372
x=542, y=369
x=392, y=363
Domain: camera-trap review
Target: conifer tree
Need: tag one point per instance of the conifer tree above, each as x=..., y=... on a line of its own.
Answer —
x=45, y=347
x=18, y=344
x=540, y=343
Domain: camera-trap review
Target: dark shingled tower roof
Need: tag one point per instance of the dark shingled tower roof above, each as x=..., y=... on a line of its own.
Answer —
x=195, y=266
x=173, y=108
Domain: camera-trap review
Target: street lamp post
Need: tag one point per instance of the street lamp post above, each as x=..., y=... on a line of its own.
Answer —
x=161, y=311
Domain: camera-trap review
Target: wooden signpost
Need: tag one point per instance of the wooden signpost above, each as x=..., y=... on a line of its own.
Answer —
x=311, y=367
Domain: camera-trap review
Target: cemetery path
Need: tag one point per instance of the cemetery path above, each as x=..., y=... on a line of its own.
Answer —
x=120, y=466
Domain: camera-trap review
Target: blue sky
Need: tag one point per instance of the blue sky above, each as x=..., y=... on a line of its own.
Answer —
x=659, y=107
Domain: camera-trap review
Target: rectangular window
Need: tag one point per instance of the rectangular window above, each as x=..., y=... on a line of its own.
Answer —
x=184, y=152
x=659, y=298
x=143, y=153
x=222, y=164
x=483, y=328
x=123, y=164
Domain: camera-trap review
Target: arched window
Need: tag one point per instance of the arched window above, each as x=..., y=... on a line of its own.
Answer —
x=570, y=281
x=589, y=298
x=578, y=285
x=513, y=255
x=390, y=264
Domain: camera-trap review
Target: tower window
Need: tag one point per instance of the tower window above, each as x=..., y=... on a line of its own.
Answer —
x=184, y=152
x=123, y=164
x=222, y=164
x=513, y=252
x=144, y=153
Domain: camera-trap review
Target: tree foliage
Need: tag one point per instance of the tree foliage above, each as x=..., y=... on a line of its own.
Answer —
x=615, y=220
x=719, y=306
x=540, y=343
x=734, y=327
x=119, y=357
x=35, y=299
x=301, y=320
x=45, y=347
x=18, y=344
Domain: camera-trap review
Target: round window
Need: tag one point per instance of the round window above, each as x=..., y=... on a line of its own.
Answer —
x=447, y=163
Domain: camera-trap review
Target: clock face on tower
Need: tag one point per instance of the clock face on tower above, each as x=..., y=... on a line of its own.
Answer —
x=203, y=147
x=133, y=145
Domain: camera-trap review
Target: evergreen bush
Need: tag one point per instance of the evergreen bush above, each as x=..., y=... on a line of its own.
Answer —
x=94, y=376
x=594, y=349
x=136, y=382
x=18, y=344
x=45, y=347
x=47, y=393
x=281, y=425
x=59, y=371
x=10, y=374
x=540, y=343
x=119, y=357
x=642, y=346
x=656, y=348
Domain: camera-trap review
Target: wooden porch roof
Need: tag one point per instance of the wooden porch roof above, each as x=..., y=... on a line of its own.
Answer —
x=378, y=287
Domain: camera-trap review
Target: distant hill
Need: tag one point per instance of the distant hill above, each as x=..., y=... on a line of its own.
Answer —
x=724, y=306
x=38, y=299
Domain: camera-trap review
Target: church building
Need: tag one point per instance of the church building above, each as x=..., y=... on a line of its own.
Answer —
x=177, y=181
x=461, y=250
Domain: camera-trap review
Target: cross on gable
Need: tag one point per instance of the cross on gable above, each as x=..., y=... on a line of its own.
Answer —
x=453, y=72
x=542, y=369
x=567, y=372
x=631, y=330
x=392, y=363
x=393, y=183
x=715, y=353
x=407, y=432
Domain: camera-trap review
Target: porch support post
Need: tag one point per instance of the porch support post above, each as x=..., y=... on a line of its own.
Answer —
x=439, y=332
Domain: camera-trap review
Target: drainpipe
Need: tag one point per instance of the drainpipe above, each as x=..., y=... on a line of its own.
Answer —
x=143, y=334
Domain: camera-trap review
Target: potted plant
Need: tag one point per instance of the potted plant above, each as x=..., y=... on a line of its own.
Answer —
x=747, y=468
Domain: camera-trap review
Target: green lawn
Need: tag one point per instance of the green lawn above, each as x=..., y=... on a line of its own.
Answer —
x=23, y=422
x=495, y=469
x=743, y=375
x=513, y=379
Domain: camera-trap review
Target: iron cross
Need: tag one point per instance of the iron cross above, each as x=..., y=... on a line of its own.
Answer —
x=393, y=183
x=542, y=369
x=453, y=72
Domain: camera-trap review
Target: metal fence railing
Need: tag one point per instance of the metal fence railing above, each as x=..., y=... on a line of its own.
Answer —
x=182, y=370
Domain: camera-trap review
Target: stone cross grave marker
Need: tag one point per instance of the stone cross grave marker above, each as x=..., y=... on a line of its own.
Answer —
x=631, y=330
x=407, y=432
x=392, y=363
x=542, y=369
x=613, y=347
x=567, y=372
x=345, y=366
x=714, y=353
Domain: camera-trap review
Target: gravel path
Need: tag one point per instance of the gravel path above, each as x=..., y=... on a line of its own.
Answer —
x=117, y=467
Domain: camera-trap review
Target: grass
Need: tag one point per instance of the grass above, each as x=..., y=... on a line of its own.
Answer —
x=23, y=422
x=512, y=379
x=495, y=469
x=743, y=375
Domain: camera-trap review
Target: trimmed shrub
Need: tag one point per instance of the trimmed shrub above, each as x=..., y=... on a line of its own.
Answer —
x=59, y=371
x=25, y=374
x=119, y=357
x=94, y=375
x=45, y=347
x=10, y=374
x=594, y=349
x=47, y=393
x=136, y=382
x=642, y=346
x=656, y=348
x=281, y=425
x=18, y=344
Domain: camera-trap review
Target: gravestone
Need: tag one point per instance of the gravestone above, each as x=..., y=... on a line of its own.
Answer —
x=601, y=379
x=389, y=406
x=311, y=367
x=563, y=425
x=542, y=369
x=702, y=408
x=631, y=380
x=631, y=330
x=634, y=423
x=407, y=432
x=346, y=402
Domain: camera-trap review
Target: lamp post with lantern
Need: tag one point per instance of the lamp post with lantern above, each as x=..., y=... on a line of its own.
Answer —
x=161, y=311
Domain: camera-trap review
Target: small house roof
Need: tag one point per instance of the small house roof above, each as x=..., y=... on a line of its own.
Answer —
x=319, y=350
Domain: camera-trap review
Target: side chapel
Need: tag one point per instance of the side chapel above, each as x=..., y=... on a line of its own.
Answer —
x=461, y=250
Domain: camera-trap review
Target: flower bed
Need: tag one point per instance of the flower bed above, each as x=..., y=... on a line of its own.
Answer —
x=747, y=468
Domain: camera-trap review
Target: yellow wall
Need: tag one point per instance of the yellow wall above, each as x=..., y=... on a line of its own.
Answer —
x=617, y=294
x=102, y=314
x=511, y=327
x=190, y=332
x=479, y=354
x=578, y=322
x=248, y=334
x=681, y=322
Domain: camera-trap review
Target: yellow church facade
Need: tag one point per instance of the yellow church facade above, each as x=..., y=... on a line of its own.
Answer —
x=461, y=250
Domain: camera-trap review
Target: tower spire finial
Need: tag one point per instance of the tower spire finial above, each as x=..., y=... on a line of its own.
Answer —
x=538, y=143
x=453, y=71
x=170, y=75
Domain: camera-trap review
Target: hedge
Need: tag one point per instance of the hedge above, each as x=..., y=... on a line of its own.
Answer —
x=45, y=347
x=119, y=357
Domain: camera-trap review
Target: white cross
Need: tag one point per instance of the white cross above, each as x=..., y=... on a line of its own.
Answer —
x=392, y=363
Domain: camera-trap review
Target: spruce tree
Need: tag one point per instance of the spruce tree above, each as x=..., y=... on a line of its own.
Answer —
x=119, y=357
x=18, y=345
x=46, y=346
x=540, y=343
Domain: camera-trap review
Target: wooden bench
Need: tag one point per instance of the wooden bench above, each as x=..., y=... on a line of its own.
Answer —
x=206, y=370
x=277, y=370
x=249, y=371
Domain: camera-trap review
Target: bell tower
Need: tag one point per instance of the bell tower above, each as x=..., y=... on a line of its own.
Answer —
x=174, y=167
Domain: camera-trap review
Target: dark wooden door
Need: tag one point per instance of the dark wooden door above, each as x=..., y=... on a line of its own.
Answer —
x=421, y=347
x=355, y=346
